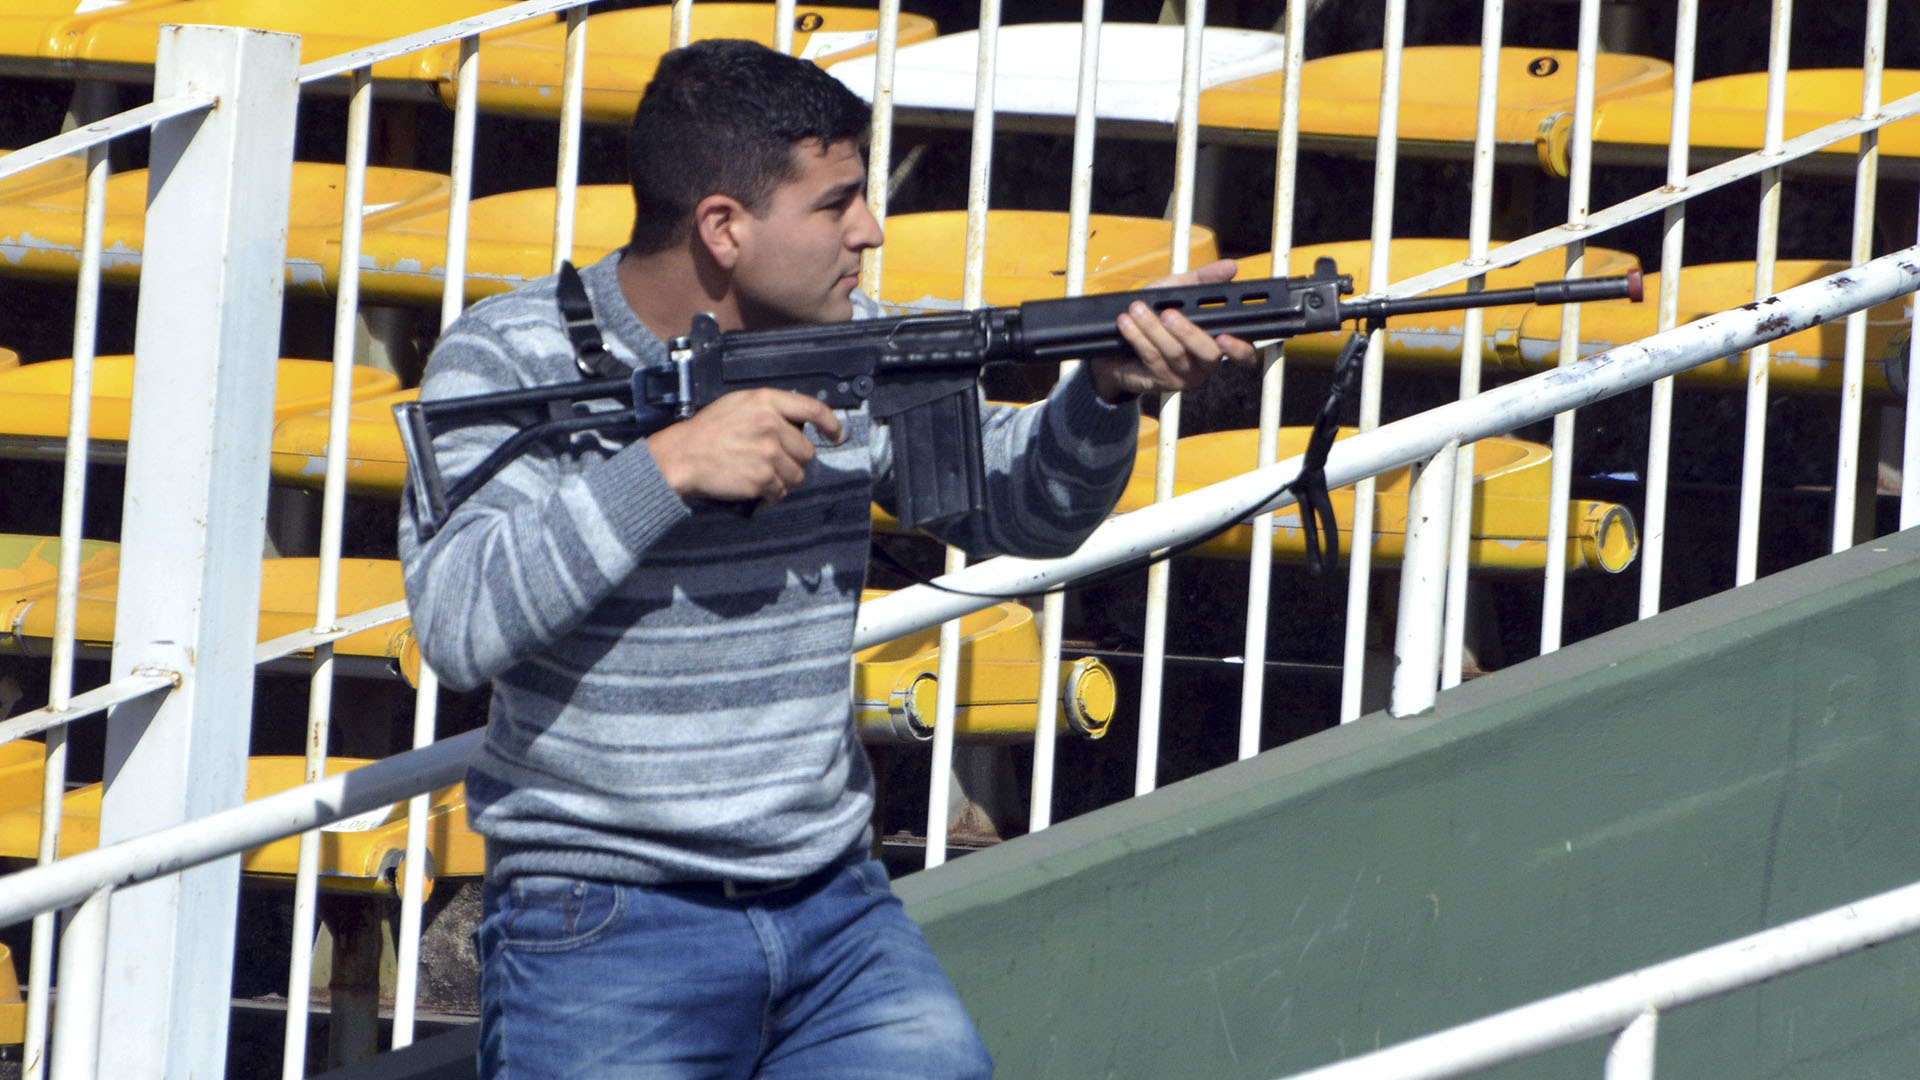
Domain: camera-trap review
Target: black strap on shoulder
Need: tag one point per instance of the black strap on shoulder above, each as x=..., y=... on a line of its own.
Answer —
x=1310, y=487
x=590, y=353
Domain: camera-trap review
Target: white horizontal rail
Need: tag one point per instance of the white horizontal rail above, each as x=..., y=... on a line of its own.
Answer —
x=922, y=607
x=228, y=832
x=1658, y=199
x=79, y=139
x=427, y=39
x=1614, y=1004
x=99, y=699
x=1401, y=443
x=346, y=626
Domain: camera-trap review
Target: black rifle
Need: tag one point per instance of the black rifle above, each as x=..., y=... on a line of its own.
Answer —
x=916, y=374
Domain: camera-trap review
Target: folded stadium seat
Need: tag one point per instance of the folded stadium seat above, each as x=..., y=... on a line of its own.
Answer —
x=1528, y=339
x=376, y=464
x=33, y=399
x=1431, y=339
x=509, y=242
x=288, y=588
x=125, y=37
x=1510, y=492
x=9, y=359
x=1026, y=257
x=896, y=684
x=1730, y=114
x=520, y=71
x=362, y=854
x=13, y=1008
x=41, y=211
x=1038, y=71
x=36, y=34
x=1340, y=94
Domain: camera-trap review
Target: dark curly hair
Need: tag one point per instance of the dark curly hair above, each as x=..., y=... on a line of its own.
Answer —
x=722, y=117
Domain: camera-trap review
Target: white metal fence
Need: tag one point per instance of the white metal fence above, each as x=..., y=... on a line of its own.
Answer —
x=1429, y=637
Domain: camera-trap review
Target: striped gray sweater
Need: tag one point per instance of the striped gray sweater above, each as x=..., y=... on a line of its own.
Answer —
x=671, y=689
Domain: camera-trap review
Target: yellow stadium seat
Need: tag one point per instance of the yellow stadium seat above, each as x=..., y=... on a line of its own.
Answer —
x=1510, y=492
x=13, y=1008
x=1026, y=256
x=1730, y=113
x=127, y=35
x=1528, y=339
x=50, y=29
x=520, y=72
x=376, y=464
x=1431, y=339
x=896, y=684
x=41, y=211
x=288, y=591
x=362, y=854
x=1340, y=94
x=509, y=242
x=34, y=398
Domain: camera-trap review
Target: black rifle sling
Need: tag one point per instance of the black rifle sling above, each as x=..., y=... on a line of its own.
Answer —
x=1310, y=487
x=590, y=353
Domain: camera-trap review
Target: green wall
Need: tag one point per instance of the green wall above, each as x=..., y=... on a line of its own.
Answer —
x=1728, y=766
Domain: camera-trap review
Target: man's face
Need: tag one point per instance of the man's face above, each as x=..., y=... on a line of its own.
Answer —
x=799, y=261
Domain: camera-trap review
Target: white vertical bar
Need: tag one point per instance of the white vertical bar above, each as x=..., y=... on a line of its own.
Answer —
x=1286, y=170
x=73, y=495
x=880, y=145
x=83, y=976
x=453, y=295
x=346, y=314
x=1766, y=248
x=208, y=337
x=1653, y=530
x=1631, y=1056
x=783, y=26
x=1385, y=164
x=1560, y=483
x=413, y=888
x=1153, y=653
x=1416, y=652
x=566, y=185
x=1866, y=179
x=681, y=22
x=1079, y=217
x=1479, y=234
x=973, y=291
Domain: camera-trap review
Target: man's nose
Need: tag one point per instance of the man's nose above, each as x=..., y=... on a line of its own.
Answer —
x=866, y=231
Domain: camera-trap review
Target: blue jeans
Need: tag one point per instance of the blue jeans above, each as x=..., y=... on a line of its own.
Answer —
x=829, y=979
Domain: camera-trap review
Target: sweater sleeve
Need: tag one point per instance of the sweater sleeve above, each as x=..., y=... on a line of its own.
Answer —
x=549, y=537
x=1054, y=469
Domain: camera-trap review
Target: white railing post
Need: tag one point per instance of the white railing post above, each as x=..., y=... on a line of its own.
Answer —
x=208, y=339
x=1419, y=635
x=1631, y=1056
x=76, y=1028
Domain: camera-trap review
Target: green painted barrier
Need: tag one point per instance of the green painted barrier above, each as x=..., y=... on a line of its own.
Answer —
x=1723, y=768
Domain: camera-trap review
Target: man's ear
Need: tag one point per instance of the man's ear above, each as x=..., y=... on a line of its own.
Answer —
x=718, y=222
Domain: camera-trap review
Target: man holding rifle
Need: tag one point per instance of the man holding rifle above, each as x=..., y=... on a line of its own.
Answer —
x=675, y=804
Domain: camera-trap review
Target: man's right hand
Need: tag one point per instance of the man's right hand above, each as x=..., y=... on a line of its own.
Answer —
x=746, y=446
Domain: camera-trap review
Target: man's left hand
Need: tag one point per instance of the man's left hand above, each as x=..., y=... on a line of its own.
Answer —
x=1170, y=353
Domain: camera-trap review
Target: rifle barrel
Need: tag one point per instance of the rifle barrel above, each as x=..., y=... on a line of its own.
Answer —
x=1571, y=291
